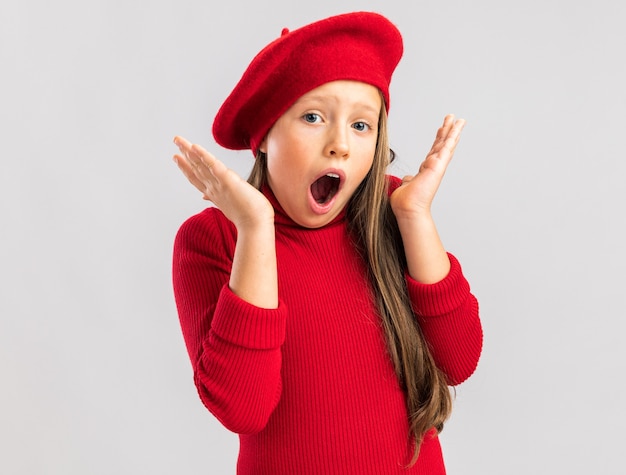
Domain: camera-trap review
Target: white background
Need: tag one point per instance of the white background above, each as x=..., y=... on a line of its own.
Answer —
x=94, y=375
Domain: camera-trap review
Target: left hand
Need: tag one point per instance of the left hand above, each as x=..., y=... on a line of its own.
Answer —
x=415, y=196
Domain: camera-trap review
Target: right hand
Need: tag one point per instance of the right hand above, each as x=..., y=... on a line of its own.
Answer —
x=240, y=202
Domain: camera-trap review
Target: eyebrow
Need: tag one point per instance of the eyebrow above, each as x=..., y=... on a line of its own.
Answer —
x=324, y=99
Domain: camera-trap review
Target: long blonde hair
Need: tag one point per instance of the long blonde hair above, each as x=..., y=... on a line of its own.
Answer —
x=374, y=231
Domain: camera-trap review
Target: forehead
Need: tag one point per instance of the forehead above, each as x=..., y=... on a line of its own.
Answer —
x=345, y=93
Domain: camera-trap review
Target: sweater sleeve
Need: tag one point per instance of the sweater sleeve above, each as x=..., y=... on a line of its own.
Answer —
x=448, y=315
x=234, y=347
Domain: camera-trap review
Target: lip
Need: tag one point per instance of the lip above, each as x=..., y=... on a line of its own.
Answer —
x=318, y=208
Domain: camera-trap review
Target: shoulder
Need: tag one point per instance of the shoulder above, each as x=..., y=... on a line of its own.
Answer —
x=393, y=183
x=204, y=230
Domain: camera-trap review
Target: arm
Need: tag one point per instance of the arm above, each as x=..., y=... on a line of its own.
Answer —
x=411, y=204
x=447, y=311
x=224, y=277
x=448, y=315
x=253, y=276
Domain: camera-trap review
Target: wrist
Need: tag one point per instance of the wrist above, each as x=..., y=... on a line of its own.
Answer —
x=259, y=224
x=414, y=217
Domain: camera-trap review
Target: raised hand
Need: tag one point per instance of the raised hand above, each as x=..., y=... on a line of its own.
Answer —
x=417, y=192
x=426, y=256
x=240, y=202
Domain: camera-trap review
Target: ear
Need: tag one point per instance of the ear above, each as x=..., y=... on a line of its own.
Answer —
x=263, y=145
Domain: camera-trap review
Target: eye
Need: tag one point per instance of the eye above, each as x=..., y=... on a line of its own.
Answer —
x=361, y=126
x=311, y=118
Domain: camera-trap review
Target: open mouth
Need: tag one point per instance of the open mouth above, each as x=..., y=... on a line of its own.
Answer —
x=325, y=188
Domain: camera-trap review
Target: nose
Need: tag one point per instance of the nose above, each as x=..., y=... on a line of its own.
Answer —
x=337, y=145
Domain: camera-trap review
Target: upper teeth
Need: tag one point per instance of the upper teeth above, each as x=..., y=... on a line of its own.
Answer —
x=332, y=175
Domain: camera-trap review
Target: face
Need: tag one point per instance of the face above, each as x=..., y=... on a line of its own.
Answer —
x=321, y=149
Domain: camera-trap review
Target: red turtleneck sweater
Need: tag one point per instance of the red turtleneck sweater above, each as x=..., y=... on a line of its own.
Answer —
x=309, y=386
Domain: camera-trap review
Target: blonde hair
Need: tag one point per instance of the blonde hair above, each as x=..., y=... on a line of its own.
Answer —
x=374, y=231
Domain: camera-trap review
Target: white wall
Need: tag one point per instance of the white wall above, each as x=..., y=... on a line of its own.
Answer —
x=93, y=371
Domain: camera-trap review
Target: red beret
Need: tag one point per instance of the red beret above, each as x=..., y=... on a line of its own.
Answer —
x=360, y=46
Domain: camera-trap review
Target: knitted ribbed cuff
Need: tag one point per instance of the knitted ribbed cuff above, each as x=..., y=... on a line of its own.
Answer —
x=440, y=298
x=246, y=325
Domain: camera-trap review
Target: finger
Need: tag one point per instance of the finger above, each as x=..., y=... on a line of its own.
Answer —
x=448, y=122
x=188, y=152
x=440, y=156
x=191, y=174
x=183, y=145
x=185, y=161
x=215, y=168
x=199, y=163
x=449, y=141
x=452, y=139
x=205, y=159
x=442, y=133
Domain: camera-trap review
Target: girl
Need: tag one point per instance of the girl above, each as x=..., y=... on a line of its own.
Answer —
x=323, y=317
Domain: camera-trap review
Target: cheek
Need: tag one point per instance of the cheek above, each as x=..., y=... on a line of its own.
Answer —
x=273, y=176
x=281, y=178
x=365, y=166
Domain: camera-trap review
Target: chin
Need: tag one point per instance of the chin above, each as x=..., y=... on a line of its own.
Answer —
x=315, y=221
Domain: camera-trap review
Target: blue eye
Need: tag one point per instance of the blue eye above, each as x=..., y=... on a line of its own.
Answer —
x=360, y=126
x=310, y=117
